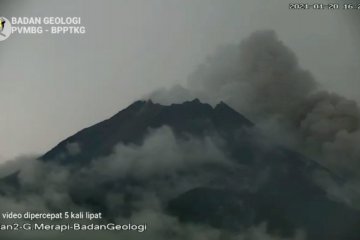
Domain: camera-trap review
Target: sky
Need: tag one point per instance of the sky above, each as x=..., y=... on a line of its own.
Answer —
x=53, y=86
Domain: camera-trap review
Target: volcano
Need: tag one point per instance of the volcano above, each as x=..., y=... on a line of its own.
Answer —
x=261, y=182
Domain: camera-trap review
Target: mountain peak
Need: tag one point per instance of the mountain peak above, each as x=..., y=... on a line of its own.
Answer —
x=132, y=124
x=221, y=104
x=196, y=100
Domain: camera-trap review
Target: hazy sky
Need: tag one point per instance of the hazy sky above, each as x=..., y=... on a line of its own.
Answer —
x=53, y=86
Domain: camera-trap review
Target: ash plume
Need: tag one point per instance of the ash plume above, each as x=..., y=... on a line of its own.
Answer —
x=139, y=183
x=261, y=77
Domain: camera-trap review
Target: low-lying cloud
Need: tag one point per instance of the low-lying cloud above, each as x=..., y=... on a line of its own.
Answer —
x=159, y=164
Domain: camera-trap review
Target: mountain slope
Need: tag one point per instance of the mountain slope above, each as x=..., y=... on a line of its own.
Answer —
x=215, y=170
x=132, y=124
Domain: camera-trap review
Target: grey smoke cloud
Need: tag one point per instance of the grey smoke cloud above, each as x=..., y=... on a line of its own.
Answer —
x=162, y=153
x=347, y=192
x=132, y=47
x=261, y=77
x=261, y=95
x=329, y=125
x=47, y=186
x=260, y=72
